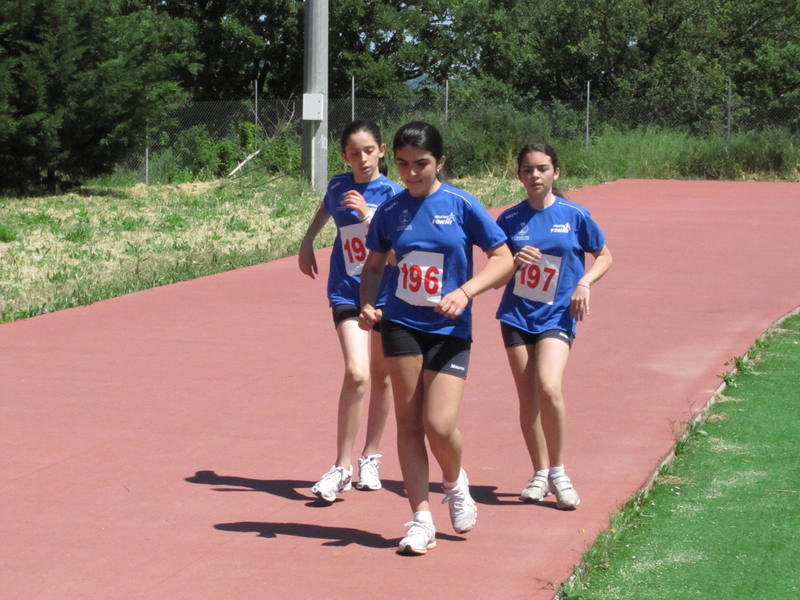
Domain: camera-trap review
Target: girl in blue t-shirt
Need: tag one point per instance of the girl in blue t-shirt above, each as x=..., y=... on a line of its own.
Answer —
x=541, y=305
x=426, y=320
x=351, y=199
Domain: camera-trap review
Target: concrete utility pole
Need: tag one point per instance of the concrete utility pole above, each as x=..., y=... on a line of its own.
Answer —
x=315, y=95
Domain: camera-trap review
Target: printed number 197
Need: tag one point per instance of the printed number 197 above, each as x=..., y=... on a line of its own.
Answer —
x=531, y=276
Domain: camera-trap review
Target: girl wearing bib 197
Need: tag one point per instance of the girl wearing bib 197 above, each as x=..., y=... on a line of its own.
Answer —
x=540, y=308
x=351, y=199
x=426, y=321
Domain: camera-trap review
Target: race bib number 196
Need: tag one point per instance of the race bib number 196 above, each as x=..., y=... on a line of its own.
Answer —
x=354, y=247
x=538, y=282
x=419, y=278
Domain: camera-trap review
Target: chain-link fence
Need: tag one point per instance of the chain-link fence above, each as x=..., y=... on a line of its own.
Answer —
x=208, y=139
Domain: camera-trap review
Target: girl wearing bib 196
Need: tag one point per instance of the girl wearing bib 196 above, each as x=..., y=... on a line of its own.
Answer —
x=351, y=199
x=541, y=305
x=426, y=322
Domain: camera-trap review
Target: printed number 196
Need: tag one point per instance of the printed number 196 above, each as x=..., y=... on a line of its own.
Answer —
x=413, y=278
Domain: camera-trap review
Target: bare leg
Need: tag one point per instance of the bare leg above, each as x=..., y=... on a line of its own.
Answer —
x=551, y=361
x=407, y=388
x=523, y=368
x=380, y=399
x=355, y=349
x=441, y=405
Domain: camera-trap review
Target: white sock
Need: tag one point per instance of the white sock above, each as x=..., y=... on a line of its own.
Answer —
x=449, y=485
x=556, y=471
x=542, y=474
x=423, y=516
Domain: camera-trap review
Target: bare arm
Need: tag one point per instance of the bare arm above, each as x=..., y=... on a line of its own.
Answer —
x=371, y=275
x=579, y=303
x=306, y=258
x=498, y=269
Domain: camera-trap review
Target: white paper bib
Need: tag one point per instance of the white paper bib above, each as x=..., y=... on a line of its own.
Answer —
x=419, y=278
x=354, y=247
x=538, y=282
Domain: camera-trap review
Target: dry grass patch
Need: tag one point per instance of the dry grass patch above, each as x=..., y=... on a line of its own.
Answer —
x=71, y=246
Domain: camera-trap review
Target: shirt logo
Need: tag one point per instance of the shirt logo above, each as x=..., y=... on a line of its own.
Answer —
x=405, y=219
x=444, y=219
x=521, y=233
x=565, y=228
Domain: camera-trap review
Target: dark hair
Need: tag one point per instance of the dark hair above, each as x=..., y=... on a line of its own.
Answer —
x=369, y=127
x=544, y=148
x=422, y=135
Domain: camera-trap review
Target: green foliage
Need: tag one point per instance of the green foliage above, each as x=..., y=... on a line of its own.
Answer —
x=282, y=153
x=769, y=152
x=502, y=132
x=7, y=234
x=247, y=136
x=242, y=42
x=79, y=79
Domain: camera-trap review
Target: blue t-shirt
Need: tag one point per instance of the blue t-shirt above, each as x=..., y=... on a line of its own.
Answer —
x=537, y=298
x=349, y=250
x=432, y=238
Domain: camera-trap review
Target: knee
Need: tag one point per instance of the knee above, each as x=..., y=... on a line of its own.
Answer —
x=356, y=376
x=438, y=430
x=551, y=393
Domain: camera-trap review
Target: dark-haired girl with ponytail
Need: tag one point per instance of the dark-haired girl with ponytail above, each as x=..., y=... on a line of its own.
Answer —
x=426, y=320
x=351, y=200
x=540, y=309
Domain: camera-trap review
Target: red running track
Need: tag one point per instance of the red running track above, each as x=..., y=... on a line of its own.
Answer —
x=162, y=444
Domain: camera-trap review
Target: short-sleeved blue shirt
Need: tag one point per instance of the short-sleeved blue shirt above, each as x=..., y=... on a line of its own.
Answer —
x=433, y=239
x=537, y=298
x=349, y=249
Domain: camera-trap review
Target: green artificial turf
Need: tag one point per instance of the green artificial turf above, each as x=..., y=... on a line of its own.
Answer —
x=723, y=520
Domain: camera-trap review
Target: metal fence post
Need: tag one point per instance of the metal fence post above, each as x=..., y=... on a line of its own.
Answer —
x=588, y=96
x=315, y=95
x=446, y=99
x=353, y=98
x=730, y=95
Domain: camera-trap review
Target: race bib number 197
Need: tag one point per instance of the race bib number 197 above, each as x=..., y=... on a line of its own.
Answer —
x=354, y=247
x=538, y=282
x=419, y=278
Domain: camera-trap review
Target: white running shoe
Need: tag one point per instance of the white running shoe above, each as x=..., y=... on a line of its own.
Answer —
x=463, y=512
x=537, y=489
x=566, y=496
x=335, y=481
x=420, y=538
x=368, y=478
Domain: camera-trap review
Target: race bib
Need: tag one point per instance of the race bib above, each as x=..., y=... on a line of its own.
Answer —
x=419, y=278
x=538, y=282
x=354, y=247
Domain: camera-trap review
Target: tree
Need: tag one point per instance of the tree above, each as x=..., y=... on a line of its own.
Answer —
x=81, y=80
x=242, y=42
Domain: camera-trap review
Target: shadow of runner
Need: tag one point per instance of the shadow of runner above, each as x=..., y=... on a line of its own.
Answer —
x=337, y=536
x=285, y=488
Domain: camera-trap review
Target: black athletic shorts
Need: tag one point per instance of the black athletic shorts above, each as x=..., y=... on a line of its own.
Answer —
x=440, y=353
x=342, y=312
x=514, y=336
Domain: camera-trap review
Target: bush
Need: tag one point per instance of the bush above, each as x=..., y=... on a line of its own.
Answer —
x=770, y=153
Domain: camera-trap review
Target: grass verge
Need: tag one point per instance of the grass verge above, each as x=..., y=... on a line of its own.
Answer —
x=722, y=518
x=71, y=250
